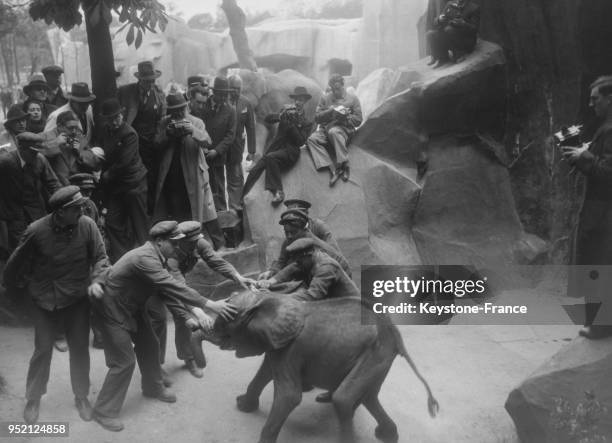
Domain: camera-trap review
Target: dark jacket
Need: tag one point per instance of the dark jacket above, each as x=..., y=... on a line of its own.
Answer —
x=12, y=187
x=245, y=119
x=129, y=97
x=134, y=278
x=59, y=99
x=469, y=18
x=214, y=261
x=123, y=168
x=289, y=133
x=220, y=123
x=63, y=262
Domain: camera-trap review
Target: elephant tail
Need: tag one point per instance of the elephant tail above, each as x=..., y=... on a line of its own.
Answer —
x=432, y=403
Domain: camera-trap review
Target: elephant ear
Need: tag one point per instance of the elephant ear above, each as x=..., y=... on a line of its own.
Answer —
x=272, y=323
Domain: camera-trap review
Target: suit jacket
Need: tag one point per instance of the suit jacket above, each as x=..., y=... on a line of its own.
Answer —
x=12, y=186
x=245, y=119
x=59, y=99
x=129, y=97
x=123, y=169
x=325, y=115
x=221, y=126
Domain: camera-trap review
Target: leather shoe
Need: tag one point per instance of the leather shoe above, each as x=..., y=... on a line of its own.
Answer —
x=84, y=408
x=335, y=177
x=345, y=174
x=193, y=368
x=595, y=332
x=279, y=196
x=325, y=397
x=30, y=412
x=61, y=345
x=166, y=379
x=108, y=423
x=164, y=394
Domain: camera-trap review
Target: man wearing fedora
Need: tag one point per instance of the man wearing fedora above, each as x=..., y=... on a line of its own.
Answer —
x=124, y=181
x=183, y=190
x=80, y=100
x=338, y=115
x=27, y=181
x=64, y=258
x=245, y=125
x=220, y=120
x=38, y=89
x=15, y=123
x=145, y=106
x=55, y=95
x=284, y=150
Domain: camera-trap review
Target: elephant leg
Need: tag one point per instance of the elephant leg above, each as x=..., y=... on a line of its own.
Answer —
x=249, y=401
x=386, y=429
x=362, y=381
x=287, y=395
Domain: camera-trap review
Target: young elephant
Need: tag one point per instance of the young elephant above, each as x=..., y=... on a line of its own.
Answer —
x=320, y=343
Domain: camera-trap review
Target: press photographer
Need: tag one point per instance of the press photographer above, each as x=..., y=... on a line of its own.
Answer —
x=593, y=237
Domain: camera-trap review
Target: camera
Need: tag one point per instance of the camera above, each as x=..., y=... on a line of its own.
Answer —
x=569, y=136
x=342, y=110
x=179, y=127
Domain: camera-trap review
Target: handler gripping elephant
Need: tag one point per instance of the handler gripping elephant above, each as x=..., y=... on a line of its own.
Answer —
x=326, y=344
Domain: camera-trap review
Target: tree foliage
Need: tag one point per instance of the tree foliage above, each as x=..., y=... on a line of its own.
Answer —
x=139, y=15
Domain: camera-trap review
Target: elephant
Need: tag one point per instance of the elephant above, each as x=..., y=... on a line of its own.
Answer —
x=337, y=344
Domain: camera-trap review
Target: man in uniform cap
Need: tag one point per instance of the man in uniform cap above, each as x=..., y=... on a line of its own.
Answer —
x=220, y=120
x=129, y=284
x=316, y=226
x=145, y=106
x=55, y=95
x=64, y=258
x=190, y=248
x=27, y=181
x=245, y=125
x=593, y=235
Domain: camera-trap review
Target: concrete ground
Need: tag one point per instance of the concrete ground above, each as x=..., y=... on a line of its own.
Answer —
x=471, y=370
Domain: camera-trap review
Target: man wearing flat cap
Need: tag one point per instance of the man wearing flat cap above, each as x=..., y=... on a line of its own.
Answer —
x=27, y=182
x=220, y=120
x=64, y=258
x=127, y=333
x=124, y=181
x=80, y=100
x=37, y=89
x=55, y=95
x=145, y=106
x=338, y=115
x=191, y=248
x=592, y=243
x=284, y=150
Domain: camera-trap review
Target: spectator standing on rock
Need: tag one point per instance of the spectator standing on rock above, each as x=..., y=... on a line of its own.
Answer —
x=338, y=115
x=593, y=236
x=145, y=106
x=63, y=256
x=455, y=31
x=284, y=151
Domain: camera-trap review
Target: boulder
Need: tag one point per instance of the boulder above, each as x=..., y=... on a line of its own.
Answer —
x=580, y=367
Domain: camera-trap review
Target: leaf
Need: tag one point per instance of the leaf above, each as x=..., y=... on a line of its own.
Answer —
x=124, y=14
x=130, y=35
x=138, y=39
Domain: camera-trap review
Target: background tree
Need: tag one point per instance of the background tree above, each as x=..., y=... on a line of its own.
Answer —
x=8, y=23
x=138, y=15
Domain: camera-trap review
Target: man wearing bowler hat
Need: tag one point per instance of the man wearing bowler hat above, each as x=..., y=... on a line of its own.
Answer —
x=80, y=100
x=126, y=331
x=145, y=106
x=37, y=89
x=63, y=256
x=220, y=120
x=55, y=95
x=183, y=190
x=27, y=181
x=124, y=181
x=284, y=151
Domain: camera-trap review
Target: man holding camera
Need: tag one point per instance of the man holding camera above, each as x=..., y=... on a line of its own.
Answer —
x=62, y=146
x=338, y=115
x=284, y=151
x=183, y=190
x=455, y=30
x=593, y=238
